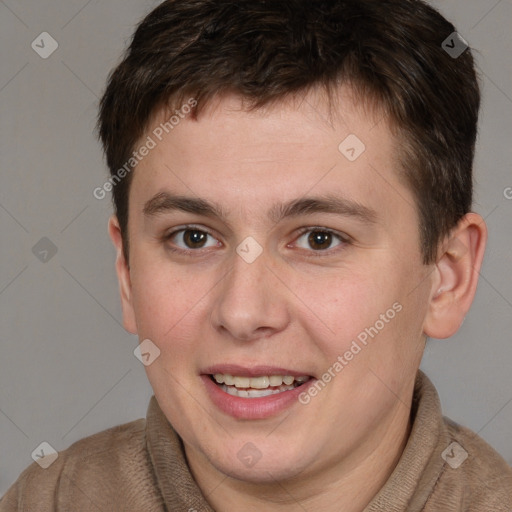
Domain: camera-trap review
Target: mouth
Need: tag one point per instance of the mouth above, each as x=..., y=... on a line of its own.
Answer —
x=257, y=386
x=254, y=392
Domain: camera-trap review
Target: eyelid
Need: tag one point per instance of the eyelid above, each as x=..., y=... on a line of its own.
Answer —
x=189, y=227
x=186, y=227
x=343, y=237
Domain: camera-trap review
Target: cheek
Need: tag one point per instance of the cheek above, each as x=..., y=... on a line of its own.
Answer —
x=345, y=306
x=167, y=301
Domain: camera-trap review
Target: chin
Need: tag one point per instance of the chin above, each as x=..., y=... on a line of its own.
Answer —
x=264, y=465
x=261, y=473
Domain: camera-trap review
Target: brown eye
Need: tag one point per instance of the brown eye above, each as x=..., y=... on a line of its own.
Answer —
x=190, y=239
x=194, y=239
x=320, y=240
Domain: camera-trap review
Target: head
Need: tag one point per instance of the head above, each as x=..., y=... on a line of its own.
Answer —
x=295, y=200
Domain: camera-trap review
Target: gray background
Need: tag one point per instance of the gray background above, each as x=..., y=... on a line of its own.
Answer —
x=67, y=367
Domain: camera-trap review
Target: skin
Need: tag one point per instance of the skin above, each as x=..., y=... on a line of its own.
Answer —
x=296, y=306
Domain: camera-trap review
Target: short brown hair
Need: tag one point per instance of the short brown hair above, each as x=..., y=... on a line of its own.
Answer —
x=264, y=51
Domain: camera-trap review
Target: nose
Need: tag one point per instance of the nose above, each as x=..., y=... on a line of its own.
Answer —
x=251, y=301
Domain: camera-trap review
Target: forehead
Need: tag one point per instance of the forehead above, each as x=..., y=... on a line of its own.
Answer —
x=248, y=159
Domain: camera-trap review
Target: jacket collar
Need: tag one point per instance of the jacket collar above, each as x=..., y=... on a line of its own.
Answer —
x=172, y=472
x=421, y=464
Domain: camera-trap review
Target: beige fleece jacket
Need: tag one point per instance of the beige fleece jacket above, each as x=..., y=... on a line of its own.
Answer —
x=141, y=466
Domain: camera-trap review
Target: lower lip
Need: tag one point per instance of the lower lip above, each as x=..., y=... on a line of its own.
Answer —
x=253, y=408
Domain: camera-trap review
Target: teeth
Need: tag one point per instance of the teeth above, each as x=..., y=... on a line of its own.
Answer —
x=258, y=382
x=254, y=393
x=276, y=380
x=254, y=385
x=241, y=382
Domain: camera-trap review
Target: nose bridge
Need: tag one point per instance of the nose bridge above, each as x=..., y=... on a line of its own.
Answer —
x=249, y=303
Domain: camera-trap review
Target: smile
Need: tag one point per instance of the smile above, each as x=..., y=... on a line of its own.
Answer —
x=257, y=387
x=254, y=392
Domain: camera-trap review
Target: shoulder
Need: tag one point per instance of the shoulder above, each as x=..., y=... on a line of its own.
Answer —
x=100, y=463
x=474, y=474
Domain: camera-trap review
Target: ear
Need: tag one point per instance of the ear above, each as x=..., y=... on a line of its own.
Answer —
x=123, y=276
x=455, y=277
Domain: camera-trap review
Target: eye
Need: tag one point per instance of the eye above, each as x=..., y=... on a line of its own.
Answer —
x=191, y=238
x=320, y=239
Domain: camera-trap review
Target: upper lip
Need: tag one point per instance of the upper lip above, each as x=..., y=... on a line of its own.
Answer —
x=252, y=371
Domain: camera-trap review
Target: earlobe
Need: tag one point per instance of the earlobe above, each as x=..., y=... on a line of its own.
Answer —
x=456, y=277
x=123, y=276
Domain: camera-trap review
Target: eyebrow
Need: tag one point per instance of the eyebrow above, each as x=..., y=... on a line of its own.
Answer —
x=164, y=202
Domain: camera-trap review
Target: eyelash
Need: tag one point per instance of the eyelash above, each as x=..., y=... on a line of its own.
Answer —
x=344, y=239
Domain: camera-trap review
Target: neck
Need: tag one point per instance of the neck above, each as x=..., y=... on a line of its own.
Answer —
x=347, y=485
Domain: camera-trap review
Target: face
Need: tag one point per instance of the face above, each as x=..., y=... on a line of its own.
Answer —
x=268, y=252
